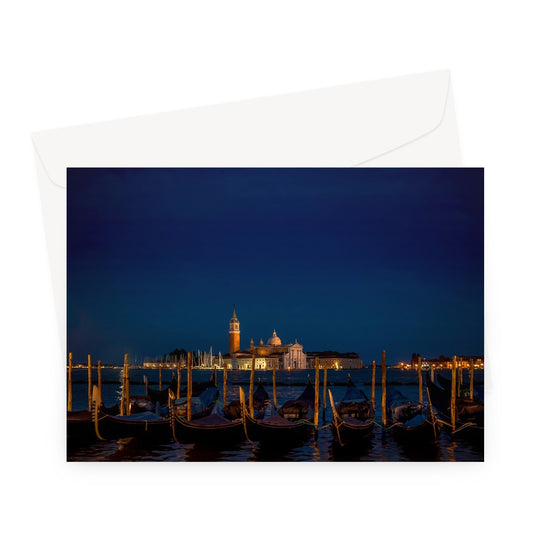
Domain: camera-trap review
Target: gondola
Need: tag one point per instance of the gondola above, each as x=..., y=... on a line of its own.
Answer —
x=141, y=404
x=469, y=413
x=464, y=391
x=291, y=423
x=412, y=422
x=214, y=429
x=144, y=425
x=233, y=410
x=80, y=424
x=161, y=396
x=201, y=405
x=353, y=417
x=147, y=424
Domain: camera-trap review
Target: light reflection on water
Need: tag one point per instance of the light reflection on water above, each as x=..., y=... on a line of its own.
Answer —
x=381, y=447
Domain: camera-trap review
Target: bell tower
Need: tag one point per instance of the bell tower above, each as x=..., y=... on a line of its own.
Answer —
x=234, y=333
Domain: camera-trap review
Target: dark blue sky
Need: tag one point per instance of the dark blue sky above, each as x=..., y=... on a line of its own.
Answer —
x=342, y=259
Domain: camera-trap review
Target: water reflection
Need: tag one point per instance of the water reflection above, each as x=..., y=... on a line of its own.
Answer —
x=207, y=452
x=355, y=452
x=428, y=451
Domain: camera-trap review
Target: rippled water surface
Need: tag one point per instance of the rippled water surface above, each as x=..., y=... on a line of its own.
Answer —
x=320, y=446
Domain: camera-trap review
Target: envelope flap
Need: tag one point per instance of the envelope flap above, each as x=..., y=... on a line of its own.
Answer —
x=356, y=122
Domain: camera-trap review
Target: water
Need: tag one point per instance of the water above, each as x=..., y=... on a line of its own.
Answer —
x=381, y=447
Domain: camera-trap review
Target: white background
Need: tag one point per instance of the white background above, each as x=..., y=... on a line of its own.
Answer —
x=67, y=63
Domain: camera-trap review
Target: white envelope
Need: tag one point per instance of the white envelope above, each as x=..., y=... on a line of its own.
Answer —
x=407, y=121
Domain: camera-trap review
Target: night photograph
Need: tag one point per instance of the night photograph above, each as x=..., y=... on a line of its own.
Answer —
x=275, y=314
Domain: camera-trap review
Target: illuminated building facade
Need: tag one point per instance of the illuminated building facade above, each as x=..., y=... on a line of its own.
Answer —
x=234, y=333
x=274, y=352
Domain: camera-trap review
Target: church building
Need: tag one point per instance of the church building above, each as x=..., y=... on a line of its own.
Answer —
x=274, y=352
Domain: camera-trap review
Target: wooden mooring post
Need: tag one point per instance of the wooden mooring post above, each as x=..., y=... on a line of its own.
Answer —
x=383, y=388
x=373, y=384
x=123, y=390
x=124, y=397
x=127, y=366
x=471, y=378
x=317, y=387
x=453, y=391
x=99, y=374
x=251, y=393
x=274, y=397
x=160, y=372
x=189, y=384
x=178, y=391
x=460, y=376
x=225, y=384
x=420, y=393
x=69, y=383
x=89, y=381
x=324, y=395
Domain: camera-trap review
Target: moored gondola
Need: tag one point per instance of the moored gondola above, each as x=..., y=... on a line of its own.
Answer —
x=80, y=427
x=146, y=424
x=201, y=405
x=463, y=390
x=353, y=417
x=469, y=413
x=411, y=422
x=233, y=410
x=290, y=424
x=161, y=396
x=80, y=424
x=214, y=429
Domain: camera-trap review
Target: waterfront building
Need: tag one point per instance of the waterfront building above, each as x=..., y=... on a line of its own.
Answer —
x=274, y=352
x=295, y=358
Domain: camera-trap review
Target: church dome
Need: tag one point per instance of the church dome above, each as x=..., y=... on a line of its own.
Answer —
x=274, y=340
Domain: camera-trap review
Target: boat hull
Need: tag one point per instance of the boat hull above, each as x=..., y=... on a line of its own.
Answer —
x=216, y=431
x=426, y=432
x=80, y=427
x=470, y=414
x=351, y=431
x=275, y=430
x=117, y=427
